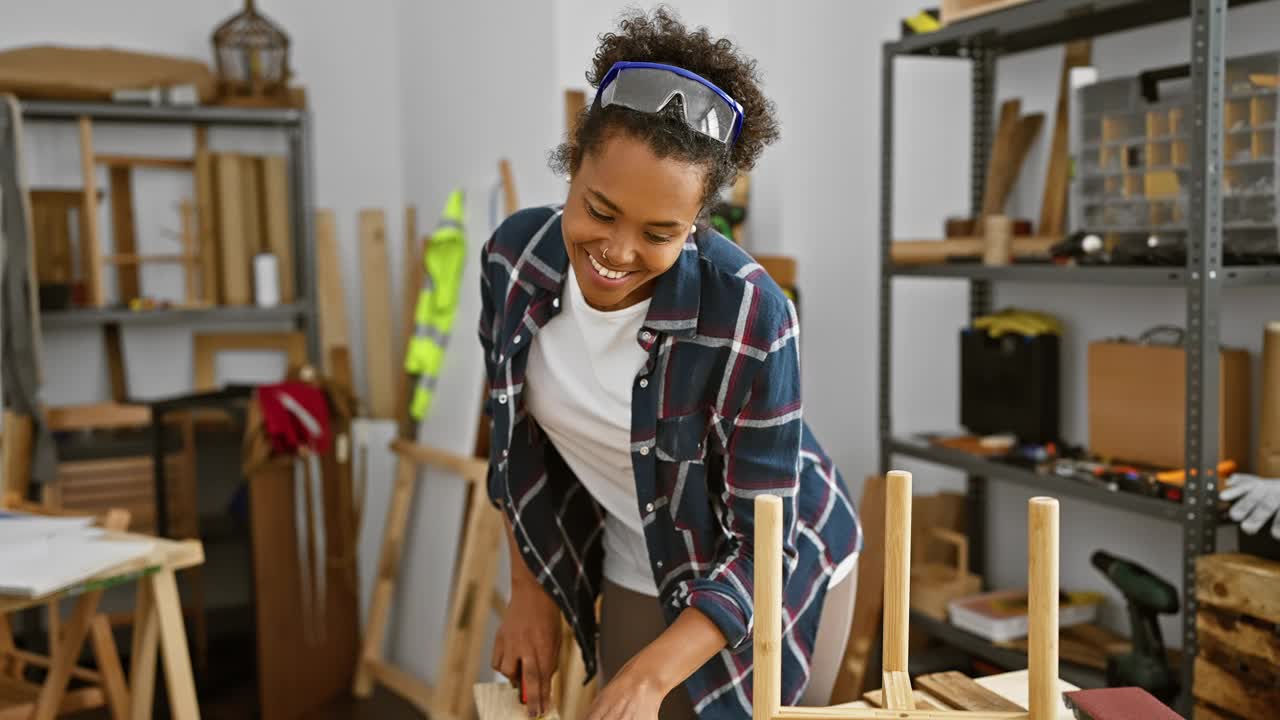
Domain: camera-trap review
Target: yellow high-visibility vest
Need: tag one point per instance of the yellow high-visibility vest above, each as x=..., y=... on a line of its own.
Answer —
x=437, y=304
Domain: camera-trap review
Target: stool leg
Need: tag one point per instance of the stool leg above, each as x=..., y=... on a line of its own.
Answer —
x=69, y=644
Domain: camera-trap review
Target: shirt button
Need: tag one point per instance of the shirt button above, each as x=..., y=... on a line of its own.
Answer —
x=659, y=563
x=516, y=339
x=500, y=356
x=506, y=453
x=525, y=549
x=555, y=303
x=502, y=399
x=646, y=336
x=644, y=451
x=644, y=382
x=555, y=591
x=648, y=508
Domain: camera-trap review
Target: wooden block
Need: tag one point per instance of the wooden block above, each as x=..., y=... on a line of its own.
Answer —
x=897, y=691
x=767, y=645
x=1240, y=583
x=123, y=239
x=961, y=692
x=330, y=293
x=234, y=246
x=1042, y=606
x=923, y=700
x=206, y=213
x=279, y=231
x=376, y=283
x=90, y=239
x=1225, y=689
x=1053, y=205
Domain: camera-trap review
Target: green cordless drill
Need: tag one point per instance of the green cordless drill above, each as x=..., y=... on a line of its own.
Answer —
x=1148, y=596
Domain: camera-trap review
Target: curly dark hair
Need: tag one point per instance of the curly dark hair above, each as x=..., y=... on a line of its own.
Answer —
x=662, y=38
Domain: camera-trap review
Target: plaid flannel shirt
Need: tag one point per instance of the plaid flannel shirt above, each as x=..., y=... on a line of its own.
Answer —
x=716, y=420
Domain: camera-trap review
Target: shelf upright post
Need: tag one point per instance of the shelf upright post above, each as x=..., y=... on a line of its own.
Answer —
x=886, y=264
x=300, y=170
x=1204, y=282
x=983, y=87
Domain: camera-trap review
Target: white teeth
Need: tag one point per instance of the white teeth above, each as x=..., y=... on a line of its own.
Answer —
x=606, y=272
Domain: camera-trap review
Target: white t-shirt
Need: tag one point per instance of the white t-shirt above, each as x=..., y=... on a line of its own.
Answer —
x=581, y=367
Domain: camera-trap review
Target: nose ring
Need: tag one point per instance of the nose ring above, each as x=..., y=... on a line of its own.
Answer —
x=605, y=253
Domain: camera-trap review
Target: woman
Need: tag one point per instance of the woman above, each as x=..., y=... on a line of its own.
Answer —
x=644, y=386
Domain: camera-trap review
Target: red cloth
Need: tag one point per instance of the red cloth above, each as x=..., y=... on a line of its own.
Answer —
x=295, y=416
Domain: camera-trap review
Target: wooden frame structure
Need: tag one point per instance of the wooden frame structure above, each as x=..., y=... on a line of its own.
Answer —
x=898, y=698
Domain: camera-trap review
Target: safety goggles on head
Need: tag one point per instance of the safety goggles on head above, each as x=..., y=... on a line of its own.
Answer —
x=649, y=87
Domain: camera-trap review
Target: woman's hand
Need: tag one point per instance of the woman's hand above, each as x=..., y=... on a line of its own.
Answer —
x=637, y=691
x=633, y=694
x=527, y=648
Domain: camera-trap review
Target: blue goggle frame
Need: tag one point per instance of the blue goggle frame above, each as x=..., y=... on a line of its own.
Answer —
x=732, y=105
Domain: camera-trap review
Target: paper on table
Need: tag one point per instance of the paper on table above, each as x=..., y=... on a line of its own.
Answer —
x=38, y=557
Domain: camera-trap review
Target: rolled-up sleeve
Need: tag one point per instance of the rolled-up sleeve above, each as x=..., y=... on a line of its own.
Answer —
x=762, y=456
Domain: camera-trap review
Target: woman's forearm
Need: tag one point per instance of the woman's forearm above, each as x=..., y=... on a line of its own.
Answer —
x=680, y=650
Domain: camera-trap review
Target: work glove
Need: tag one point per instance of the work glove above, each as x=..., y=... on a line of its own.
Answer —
x=1257, y=500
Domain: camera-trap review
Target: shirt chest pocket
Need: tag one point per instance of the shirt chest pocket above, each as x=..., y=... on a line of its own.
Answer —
x=682, y=469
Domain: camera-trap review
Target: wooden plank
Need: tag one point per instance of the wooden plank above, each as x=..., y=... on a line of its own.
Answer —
x=414, y=269
x=473, y=470
x=208, y=345
x=69, y=642
x=574, y=102
x=767, y=643
x=1042, y=602
x=179, y=682
x=957, y=10
x=851, y=681
x=99, y=415
x=206, y=213
x=1053, y=206
x=1238, y=636
x=330, y=293
x=16, y=448
x=142, y=654
x=510, y=203
x=234, y=246
x=190, y=253
x=1240, y=583
x=959, y=691
x=107, y=657
x=393, y=533
x=123, y=237
x=113, y=348
x=897, y=690
x=90, y=238
x=897, y=573
x=1006, y=126
x=126, y=162
x=816, y=713
x=275, y=208
x=375, y=281
x=251, y=204
x=1220, y=687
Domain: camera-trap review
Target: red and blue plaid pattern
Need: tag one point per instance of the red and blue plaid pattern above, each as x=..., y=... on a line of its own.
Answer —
x=716, y=420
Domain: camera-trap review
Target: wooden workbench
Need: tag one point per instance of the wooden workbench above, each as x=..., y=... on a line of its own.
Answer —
x=157, y=624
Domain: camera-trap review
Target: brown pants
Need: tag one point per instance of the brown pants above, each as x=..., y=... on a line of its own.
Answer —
x=629, y=621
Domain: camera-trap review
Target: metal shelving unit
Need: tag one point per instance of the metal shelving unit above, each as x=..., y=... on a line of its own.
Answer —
x=1038, y=24
x=296, y=124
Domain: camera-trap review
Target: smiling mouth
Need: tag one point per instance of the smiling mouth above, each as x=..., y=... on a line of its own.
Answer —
x=605, y=272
